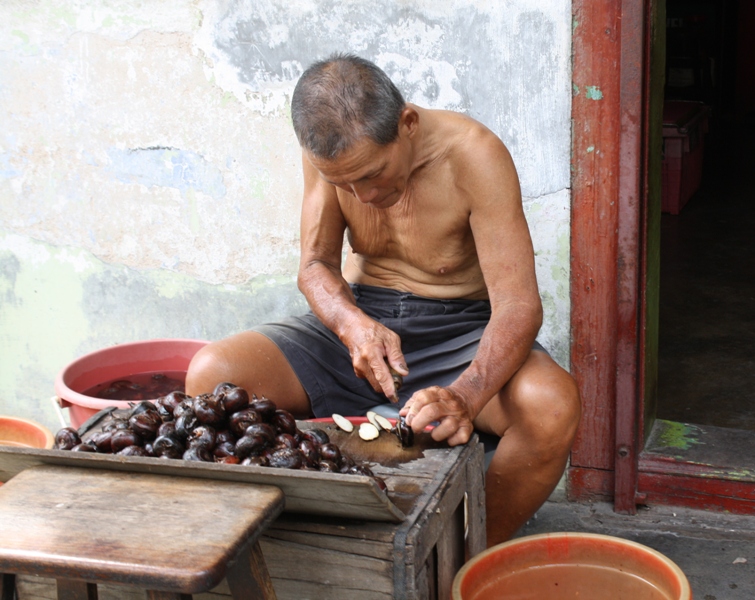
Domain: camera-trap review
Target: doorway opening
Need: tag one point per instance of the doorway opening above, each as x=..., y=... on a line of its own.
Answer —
x=706, y=364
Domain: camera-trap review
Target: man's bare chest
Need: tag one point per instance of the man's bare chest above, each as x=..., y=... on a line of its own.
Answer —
x=428, y=231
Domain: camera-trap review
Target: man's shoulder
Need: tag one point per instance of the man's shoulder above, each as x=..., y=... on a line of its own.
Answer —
x=474, y=149
x=466, y=138
x=454, y=122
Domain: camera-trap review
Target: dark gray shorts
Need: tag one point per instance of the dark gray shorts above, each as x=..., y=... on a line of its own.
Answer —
x=439, y=339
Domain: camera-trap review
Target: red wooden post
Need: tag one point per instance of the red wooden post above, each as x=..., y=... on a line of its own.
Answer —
x=631, y=203
x=596, y=106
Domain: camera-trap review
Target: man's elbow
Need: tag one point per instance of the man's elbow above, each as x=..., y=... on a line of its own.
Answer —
x=532, y=316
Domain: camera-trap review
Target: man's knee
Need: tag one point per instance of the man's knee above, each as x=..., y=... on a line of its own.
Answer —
x=206, y=369
x=548, y=409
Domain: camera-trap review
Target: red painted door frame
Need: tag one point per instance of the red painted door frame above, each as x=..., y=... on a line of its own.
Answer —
x=609, y=188
x=615, y=255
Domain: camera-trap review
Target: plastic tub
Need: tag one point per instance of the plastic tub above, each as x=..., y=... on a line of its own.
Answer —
x=570, y=565
x=15, y=431
x=119, y=361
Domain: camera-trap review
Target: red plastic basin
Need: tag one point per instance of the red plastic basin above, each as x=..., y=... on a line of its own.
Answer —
x=558, y=566
x=118, y=361
x=15, y=431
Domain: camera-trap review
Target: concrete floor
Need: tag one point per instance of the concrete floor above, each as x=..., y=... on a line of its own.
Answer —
x=706, y=370
x=716, y=551
x=706, y=367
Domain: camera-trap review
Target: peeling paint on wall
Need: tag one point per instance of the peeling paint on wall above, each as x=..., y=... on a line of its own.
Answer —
x=166, y=167
x=150, y=181
x=58, y=303
x=549, y=225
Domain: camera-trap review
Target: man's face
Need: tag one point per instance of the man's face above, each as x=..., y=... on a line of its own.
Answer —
x=373, y=174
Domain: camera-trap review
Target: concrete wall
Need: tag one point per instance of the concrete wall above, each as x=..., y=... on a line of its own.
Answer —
x=149, y=178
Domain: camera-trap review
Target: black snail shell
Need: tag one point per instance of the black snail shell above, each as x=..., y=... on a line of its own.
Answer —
x=404, y=433
x=229, y=426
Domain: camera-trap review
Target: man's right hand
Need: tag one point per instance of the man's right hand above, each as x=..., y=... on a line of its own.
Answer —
x=442, y=404
x=375, y=350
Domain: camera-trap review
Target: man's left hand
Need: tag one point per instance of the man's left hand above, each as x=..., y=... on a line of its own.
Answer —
x=444, y=406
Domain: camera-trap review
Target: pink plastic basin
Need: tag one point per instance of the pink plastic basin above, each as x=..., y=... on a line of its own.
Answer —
x=558, y=566
x=15, y=431
x=119, y=361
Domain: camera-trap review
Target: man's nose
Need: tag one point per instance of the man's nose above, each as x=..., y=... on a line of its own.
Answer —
x=364, y=193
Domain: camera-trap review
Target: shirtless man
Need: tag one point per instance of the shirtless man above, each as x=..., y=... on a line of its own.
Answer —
x=439, y=285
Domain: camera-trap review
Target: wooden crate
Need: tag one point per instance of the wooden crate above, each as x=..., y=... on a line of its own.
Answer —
x=443, y=496
x=320, y=557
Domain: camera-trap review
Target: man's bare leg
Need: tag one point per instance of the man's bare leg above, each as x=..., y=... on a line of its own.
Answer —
x=253, y=362
x=537, y=414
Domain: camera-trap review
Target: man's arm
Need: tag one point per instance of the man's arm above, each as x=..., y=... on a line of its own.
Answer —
x=328, y=293
x=506, y=256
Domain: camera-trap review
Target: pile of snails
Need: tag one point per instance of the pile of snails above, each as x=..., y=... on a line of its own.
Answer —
x=226, y=426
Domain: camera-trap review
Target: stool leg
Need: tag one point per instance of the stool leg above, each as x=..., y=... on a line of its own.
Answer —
x=9, y=586
x=76, y=590
x=155, y=595
x=249, y=578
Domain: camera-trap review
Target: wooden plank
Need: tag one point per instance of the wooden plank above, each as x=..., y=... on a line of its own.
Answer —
x=651, y=251
x=595, y=168
x=354, y=496
x=332, y=569
x=31, y=587
x=672, y=466
x=154, y=595
x=328, y=541
x=476, y=515
x=328, y=557
x=296, y=590
x=589, y=485
x=426, y=580
x=437, y=517
x=697, y=492
x=414, y=545
x=630, y=208
x=335, y=526
x=106, y=517
x=248, y=577
x=450, y=551
x=76, y=590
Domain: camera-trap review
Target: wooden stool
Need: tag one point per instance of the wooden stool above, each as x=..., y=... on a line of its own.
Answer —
x=171, y=536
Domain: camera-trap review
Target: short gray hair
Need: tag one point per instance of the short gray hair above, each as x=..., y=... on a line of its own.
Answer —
x=341, y=99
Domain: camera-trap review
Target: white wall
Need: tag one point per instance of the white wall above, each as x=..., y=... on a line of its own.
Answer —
x=149, y=177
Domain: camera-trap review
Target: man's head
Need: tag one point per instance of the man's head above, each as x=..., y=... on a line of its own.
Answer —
x=341, y=100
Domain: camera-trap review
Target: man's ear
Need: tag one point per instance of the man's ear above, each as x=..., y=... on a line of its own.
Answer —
x=409, y=121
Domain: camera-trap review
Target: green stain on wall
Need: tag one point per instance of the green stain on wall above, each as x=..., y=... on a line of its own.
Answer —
x=559, y=270
x=593, y=93
x=549, y=304
x=259, y=186
x=22, y=35
x=41, y=322
x=227, y=97
x=57, y=304
x=66, y=15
